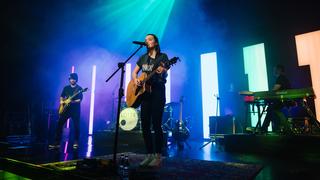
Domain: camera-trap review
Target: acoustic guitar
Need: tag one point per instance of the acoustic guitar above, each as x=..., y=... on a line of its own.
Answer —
x=134, y=92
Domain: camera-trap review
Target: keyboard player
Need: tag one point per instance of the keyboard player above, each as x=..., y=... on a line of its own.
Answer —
x=274, y=113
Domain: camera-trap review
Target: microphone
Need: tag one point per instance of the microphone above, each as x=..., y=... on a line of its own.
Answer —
x=139, y=43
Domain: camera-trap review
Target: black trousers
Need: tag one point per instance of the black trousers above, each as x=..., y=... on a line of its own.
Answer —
x=151, y=112
x=74, y=114
x=275, y=116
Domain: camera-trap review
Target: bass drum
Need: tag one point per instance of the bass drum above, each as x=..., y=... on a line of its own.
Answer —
x=128, y=119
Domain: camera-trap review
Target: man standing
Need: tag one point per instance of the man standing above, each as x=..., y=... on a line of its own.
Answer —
x=71, y=110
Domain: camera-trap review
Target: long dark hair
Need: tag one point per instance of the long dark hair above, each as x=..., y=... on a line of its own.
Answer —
x=157, y=47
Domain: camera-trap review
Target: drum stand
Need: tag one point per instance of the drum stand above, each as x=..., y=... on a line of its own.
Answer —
x=168, y=124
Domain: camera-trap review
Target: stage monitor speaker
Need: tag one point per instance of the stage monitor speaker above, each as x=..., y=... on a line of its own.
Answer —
x=221, y=125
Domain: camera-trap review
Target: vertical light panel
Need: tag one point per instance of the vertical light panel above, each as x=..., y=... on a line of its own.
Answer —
x=308, y=50
x=68, y=124
x=72, y=69
x=168, y=87
x=93, y=87
x=210, y=88
x=89, y=147
x=68, y=121
x=128, y=78
x=66, y=147
x=256, y=69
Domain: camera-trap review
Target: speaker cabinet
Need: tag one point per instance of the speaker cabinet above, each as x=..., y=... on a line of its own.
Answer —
x=221, y=125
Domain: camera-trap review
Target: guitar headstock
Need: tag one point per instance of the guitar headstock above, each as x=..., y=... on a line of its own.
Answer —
x=85, y=89
x=171, y=62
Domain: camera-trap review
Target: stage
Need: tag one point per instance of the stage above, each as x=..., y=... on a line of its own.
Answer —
x=230, y=90
x=237, y=156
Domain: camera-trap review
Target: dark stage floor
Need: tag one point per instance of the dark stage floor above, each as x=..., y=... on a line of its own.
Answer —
x=276, y=165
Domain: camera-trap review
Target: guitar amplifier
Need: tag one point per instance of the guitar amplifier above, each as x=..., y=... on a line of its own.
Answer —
x=221, y=125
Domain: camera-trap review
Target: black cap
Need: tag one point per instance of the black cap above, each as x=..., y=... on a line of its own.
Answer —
x=73, y=76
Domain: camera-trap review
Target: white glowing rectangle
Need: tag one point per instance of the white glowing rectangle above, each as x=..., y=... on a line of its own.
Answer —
x=93, y=87
x=256, y=68
x=68, y=121
x=168, y=87
x=308, y=50
x=128, y=77
x=210, y=89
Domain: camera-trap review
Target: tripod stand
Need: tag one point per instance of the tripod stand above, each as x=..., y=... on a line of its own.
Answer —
x=167, y=125
x=216, y=124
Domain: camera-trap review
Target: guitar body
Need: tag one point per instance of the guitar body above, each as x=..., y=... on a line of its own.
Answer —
x=63, y=107
x=134, y=92
x=181, y=132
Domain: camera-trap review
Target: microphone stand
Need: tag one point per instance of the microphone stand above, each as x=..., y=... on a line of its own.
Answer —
x=216, y=124
x=120, y=95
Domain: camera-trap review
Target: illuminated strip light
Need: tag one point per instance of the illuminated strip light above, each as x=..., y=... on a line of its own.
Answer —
x=68, y=121
x=210, y=88
x=93, y=87
x=89, y=150
x=256, y=69
x=128, y=78
x=65, y=156
x=66, y=147
x=168, y=87
x=68, y=124
x=308, y=50
x=72, y=69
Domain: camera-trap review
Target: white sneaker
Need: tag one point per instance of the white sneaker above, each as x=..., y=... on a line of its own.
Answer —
x=147, y=160
x=156, y=161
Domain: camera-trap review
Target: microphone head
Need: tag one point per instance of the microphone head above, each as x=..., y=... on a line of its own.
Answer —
x=139, y=43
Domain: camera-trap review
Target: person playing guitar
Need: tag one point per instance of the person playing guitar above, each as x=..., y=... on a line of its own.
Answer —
x=153, y=99
x=70, y=100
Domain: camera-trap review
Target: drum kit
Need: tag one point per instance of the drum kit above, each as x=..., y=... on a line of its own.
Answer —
x=130, y=118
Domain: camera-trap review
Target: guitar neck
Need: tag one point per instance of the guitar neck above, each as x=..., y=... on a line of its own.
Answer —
x=76, y=94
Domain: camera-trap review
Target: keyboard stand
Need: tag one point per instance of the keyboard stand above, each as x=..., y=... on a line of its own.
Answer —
x=260, y=113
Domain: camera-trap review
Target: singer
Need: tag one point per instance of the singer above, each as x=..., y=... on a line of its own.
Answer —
x=152, y=102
